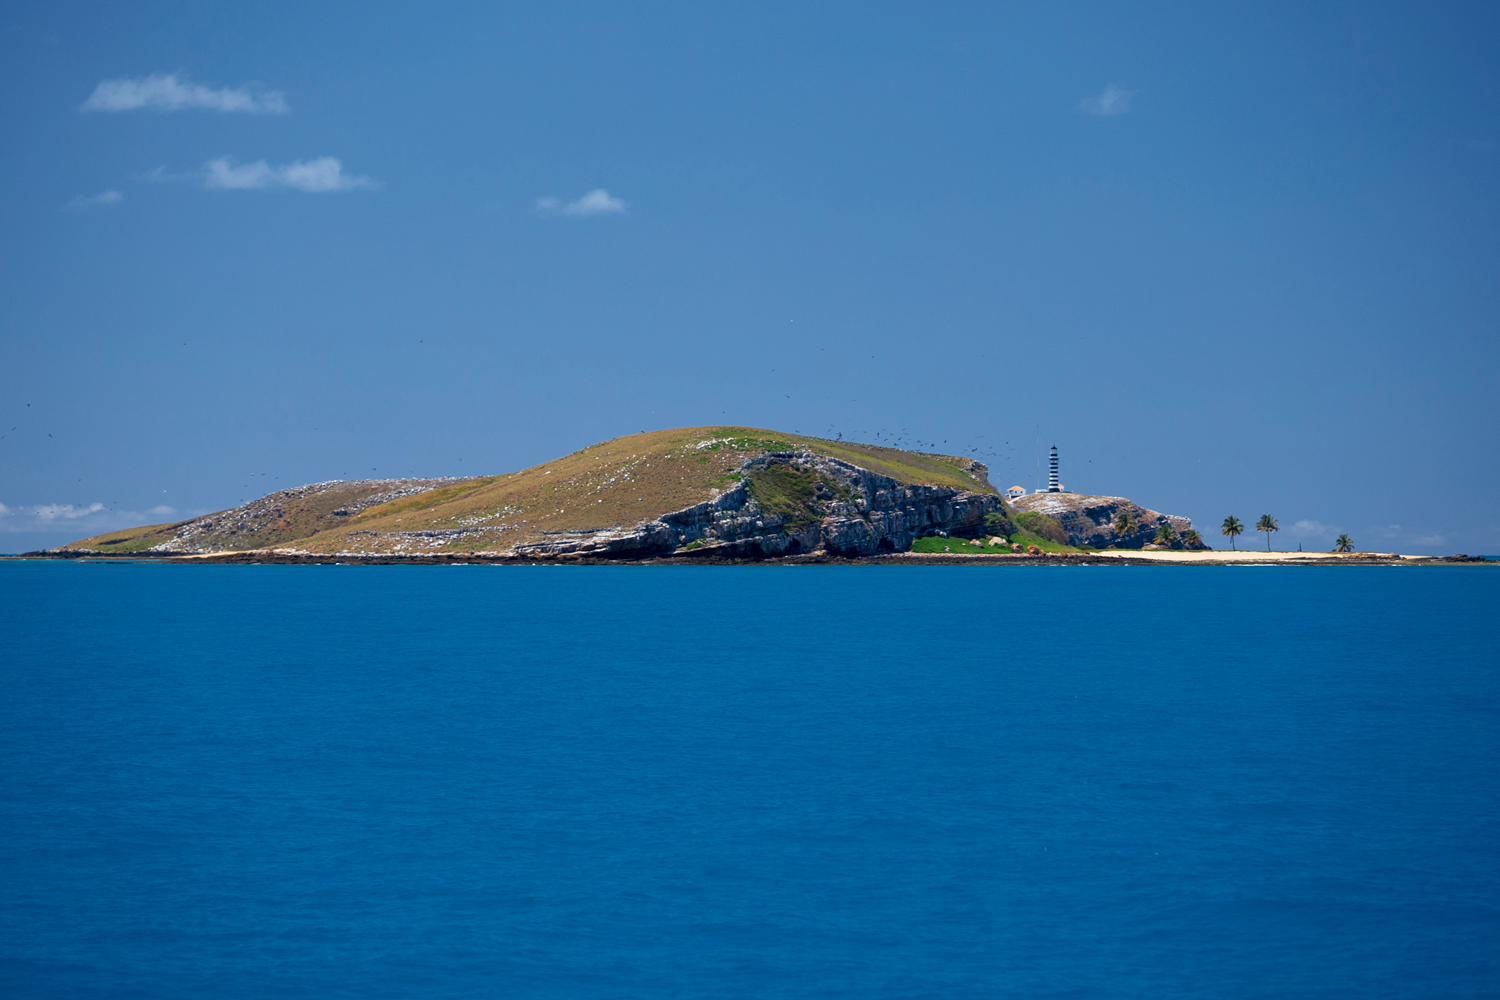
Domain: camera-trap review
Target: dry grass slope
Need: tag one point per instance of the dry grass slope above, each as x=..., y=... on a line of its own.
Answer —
x=275, y=519
x=129, y=539
x=621, y=482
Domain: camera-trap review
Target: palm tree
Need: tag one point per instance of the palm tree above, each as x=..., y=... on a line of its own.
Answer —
x=1165, y=534
x=1123, y=524
x=1232, y=526
x=1343, y=544
x=1268, y=524
x=1192, y=539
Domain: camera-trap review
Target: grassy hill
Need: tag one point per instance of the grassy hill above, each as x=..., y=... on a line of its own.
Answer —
x=619, y=482
x=276, y=519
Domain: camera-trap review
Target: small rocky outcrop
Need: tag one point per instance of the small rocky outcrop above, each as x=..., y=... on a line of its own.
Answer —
x=791, y=503
x=1090, y=521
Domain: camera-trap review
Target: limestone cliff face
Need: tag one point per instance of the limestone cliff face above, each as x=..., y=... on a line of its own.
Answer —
x=789, y=503
x=1090, y=520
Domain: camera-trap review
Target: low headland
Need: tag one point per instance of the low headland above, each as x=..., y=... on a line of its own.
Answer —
x=693, y=495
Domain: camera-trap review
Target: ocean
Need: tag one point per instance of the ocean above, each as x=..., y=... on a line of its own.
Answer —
x=794, y=782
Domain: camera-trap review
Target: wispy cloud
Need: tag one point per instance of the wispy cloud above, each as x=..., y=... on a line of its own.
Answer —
x=326, y=173
x=156, y=174
x=87, y=519
x=596, y=202
x=94, y=201
x=1111, y=101
x=169, y=92
x=44, y=514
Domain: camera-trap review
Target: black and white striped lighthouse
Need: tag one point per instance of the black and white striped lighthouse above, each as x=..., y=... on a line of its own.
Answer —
x=1052, y=484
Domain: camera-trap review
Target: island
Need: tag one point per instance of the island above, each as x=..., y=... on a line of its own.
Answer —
x=698, y=494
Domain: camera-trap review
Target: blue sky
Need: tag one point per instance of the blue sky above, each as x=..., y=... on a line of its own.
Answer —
x=1232, y=260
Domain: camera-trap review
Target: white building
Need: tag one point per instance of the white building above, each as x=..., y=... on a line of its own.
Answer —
x=1015, y=493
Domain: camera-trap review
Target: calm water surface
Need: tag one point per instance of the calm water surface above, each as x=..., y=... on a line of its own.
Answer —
x=869, y=782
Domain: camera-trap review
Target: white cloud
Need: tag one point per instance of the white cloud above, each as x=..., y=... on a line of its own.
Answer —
x=1111, y=101
x=83, y=519
x=325, y=173
x=92, y=201
x=168, y=92
x=1310, y=529
x=46, y=513
x=596, y=202
x=159, y=174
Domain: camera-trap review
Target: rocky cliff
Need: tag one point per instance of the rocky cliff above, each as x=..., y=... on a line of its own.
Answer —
x=1090, y=520
x=736, y=492
x=789, y=503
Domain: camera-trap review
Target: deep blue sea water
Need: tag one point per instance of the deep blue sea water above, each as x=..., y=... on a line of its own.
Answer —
x=670, y=782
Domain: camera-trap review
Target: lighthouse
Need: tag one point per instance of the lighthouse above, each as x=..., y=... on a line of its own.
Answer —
x=1052, y=484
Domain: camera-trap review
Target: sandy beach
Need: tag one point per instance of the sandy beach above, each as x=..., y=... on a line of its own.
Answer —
x=1219, y=556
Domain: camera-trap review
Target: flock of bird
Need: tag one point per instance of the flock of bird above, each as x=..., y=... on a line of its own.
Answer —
x=904, y=439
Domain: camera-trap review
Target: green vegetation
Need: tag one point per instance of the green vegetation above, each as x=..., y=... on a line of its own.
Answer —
x=1124, y=524
x=1042, y=526
x=1268, y=524
x=1027, y=538
x=430, y=498
x=954, y=546
x=786, y=492
x=938, y=545
x=1343, y=544
x=129, y=544
x=1232, y=526
x=1166, y=534
x=129, y=539
x=998, y=524
x=123, y=545
x=904, y=466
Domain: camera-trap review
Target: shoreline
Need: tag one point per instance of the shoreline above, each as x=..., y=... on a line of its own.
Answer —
x=1125, y=557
